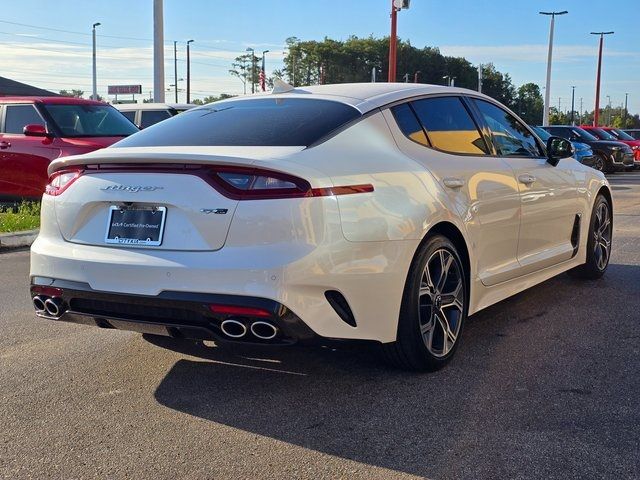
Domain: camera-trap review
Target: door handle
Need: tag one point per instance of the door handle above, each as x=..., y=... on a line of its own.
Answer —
x=526, y=178
x=4, y=144
x=452, y=182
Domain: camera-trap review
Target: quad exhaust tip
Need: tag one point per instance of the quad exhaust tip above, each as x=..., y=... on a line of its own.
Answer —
x=38, y=304
x=233, y=328
x=264, y=330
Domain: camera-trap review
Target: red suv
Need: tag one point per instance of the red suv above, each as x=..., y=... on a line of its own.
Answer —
x=36, y=130
x=610, y=133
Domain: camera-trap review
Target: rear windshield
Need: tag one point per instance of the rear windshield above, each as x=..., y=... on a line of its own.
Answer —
x=256, y=122
x=90, y=121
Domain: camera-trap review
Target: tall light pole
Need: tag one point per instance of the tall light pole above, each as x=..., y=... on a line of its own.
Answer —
x=624, y=122
x=448, y=80
x=94, y=95
x=547, y=93
x=596, y=112
x=609, y=112
x=263, y=78
x=189, y=72
x=396, y=6
x=158, y=51
x=480, y=78
x=573, y=96
x=175, y=66
x=253, y=68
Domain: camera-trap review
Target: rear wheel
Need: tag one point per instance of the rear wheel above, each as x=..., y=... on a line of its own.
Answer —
x=433, y=310
x=599, y=241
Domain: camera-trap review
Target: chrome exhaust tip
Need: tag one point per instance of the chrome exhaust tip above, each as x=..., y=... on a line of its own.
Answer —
x=53, y=306
x=233, y=328
x=38, y=303
x=264, y=330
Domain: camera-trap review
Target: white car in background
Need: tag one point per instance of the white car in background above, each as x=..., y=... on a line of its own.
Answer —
x=146, y=114
x=382, y=212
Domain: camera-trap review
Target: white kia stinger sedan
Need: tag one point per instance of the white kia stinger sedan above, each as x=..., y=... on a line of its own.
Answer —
x=382, y=212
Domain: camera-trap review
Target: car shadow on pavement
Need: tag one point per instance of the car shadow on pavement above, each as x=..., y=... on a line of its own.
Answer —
x=526, y=390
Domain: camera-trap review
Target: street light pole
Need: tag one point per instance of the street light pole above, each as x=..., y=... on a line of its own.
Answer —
x=94, y=95
x=609, y=112
x=624, y=122
x=253, y=68
x=573, y=96
x=189, y=72
x=158, y=51
x=547, y=93
x=263, y=80
x=175, y=66
x=596, y=112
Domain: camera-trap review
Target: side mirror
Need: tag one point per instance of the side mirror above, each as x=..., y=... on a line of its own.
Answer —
x=559, y=148
x=35, y=130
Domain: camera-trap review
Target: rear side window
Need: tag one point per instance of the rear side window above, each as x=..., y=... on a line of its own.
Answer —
x=151, y=117
x=447, y=124
x=18, y=116
x=130, y=115
x=253, y=122
x=408, y=123
x=511, y=137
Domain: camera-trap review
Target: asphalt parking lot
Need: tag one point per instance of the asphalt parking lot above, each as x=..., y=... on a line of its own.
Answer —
x=545, y=385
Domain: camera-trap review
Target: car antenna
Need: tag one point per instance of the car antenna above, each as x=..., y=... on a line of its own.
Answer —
x=280, y=86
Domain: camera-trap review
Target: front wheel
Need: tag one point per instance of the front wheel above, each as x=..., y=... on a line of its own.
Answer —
x=599, y=241
x=434, y=308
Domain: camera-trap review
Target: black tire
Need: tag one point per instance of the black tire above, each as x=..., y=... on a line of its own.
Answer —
x=427, y=302
x=600, y=233
x=602, y=163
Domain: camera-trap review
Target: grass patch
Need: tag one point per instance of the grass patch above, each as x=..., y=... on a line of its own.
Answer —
x=25, y=216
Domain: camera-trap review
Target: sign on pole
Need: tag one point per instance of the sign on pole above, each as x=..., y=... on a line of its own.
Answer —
x=124, y=89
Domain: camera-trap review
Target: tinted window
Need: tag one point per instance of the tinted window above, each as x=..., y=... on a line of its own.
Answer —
x=621, y=135
x=151, y=117
x=601, y=134
x=542, y=133
x=510, y=137
x=579, y=133
x=84, y=120
x=253, y=122
x=130, y=115
x=18, y=116
x=449, y=126
x=408, y=123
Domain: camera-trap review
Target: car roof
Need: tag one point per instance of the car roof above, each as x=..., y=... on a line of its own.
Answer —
x=51, y=100
x=153, y=106
x=363, y=96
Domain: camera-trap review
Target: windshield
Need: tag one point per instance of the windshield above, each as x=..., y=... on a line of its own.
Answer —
x=84, y=120
x=543, y=134
x=602, y=134
x=584, y=135
x=265, y=122
x=621, y=135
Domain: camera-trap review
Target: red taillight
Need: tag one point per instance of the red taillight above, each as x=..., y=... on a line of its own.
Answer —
x=61, y=180
x=244, y=183
x=44, y=290
x=240, y=311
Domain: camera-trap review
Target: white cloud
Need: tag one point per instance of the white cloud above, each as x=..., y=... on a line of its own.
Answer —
x=525, y=53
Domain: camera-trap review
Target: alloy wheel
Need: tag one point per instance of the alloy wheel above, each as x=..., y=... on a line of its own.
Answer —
x=602, y=236
x=441, y=302
x=600, y=163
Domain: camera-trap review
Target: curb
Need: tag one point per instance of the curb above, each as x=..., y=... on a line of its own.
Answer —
x=19, y=239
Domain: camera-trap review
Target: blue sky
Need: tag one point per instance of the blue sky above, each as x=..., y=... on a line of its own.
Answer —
x=510, y=34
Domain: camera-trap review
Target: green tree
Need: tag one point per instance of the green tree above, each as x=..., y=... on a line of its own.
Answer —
x=71, y=93
x=243, y=69
x=529, y=103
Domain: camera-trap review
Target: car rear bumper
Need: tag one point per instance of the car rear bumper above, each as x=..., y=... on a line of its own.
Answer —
x=172, y=314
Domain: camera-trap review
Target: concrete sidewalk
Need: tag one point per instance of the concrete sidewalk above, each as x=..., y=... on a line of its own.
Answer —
x=17, y=239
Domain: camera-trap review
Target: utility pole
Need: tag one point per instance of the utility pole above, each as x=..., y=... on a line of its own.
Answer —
x=547, y=93
x=158, y=51
x=263, y=76
x=624, y=122
x=94, y=95
x=573, y=95
x=480, y=78
x=596, y=113
x=189, y=72
x=609, y=112
x=253, y=68
x=580, y=113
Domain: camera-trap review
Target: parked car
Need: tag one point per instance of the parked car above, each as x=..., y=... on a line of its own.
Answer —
x=36, y=130
x=146, y=114
x=379, y=211
x=633, y=132
x=583, y=152
x=624, y=137
x=611, y=156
